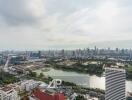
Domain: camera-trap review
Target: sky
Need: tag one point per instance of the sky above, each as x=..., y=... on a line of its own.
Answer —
x=68, y=24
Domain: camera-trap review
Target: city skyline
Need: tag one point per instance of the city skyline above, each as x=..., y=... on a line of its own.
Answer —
x=45, y=24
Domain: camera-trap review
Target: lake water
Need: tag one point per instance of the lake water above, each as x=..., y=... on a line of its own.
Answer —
x=86, y=80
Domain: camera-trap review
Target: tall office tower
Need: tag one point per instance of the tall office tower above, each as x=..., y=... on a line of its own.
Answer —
x=115, y=84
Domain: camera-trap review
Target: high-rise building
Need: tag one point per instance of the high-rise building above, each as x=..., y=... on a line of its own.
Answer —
x=115, y=84
x=39, y=54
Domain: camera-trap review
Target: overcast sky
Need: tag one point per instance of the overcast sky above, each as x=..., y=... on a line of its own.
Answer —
x=47, y=24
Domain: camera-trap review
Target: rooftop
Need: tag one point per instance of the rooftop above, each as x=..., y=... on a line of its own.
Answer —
x=6, y=89
x=46, y=96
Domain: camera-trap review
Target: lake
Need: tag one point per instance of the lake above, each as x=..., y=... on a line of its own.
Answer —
x=86, y=80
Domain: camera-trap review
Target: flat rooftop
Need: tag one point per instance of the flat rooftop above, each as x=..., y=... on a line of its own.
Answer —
x=6, y=89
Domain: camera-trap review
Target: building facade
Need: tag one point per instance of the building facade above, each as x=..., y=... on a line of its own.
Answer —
x=8, y=93
x=115, y=84
x=29, y=85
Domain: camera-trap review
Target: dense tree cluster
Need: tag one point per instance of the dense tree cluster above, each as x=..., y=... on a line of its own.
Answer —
x=6, y=78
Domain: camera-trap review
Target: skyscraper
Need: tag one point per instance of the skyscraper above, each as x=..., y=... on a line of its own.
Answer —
x=115, y=84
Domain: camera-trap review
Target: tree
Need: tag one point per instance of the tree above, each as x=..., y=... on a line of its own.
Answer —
x=79, y=97
x=41, y=75
x=32, y=74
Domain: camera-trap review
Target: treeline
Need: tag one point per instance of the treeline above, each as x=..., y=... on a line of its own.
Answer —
x=129, y=72
x=6, y=78
x=82, y=90
x=96, y=69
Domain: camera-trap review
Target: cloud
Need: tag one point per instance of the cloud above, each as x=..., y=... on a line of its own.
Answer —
x=21, y=11
x=47, y=23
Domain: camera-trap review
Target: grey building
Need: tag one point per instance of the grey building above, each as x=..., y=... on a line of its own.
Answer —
x=115, y=84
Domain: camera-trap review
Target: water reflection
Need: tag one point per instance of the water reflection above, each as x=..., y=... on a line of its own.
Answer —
x=82, y=79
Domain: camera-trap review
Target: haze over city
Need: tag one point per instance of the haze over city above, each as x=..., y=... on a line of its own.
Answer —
x=68, y=24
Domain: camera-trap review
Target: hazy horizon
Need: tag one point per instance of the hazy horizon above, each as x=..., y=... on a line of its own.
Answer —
x=68, y=24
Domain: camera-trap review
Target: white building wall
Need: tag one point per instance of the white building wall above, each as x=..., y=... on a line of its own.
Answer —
x=115, y=84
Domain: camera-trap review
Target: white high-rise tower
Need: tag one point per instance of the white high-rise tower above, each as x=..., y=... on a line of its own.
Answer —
x=115, y=84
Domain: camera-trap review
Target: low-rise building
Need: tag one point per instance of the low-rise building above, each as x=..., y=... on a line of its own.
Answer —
x=29, y=85
x=45, y=95
x=8, y=93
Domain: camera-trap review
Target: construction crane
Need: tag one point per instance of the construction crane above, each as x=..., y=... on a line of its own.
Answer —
x=5, y=68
